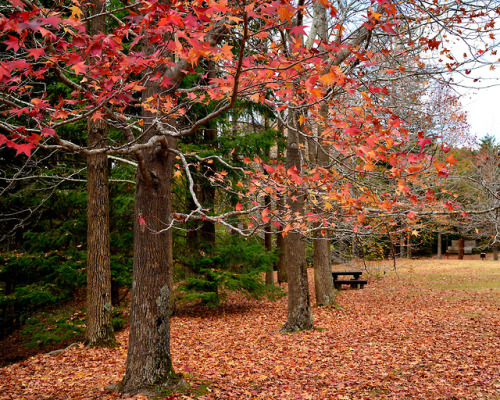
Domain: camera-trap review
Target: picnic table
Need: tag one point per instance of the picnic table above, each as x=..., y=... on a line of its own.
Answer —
x=354, y=282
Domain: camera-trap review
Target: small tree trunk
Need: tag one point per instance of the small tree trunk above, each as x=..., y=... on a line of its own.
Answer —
x=299, y=304
x=323, y=281
x=460, y=249
x=439, y=246
x=282, y=264
x=408, y=247
x=99, y=324
x=268, y=243
x=99, y=331
x=319, y=156
x=280, y=239
x=495, y=252
x=402, y=246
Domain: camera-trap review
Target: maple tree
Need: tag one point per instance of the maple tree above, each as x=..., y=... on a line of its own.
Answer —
x=130, y=78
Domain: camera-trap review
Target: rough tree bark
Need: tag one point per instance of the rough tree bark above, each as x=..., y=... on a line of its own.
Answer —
x=299, y=304
x=280, y=240
x=149, y=367
x=408, y=247
x=281, y=245
x=323, y=281
x=268, y=243
x=318, y=156
x=99, y=332
x=439, y=246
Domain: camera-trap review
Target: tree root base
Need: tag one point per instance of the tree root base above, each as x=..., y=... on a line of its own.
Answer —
x=176, y=384
x=296, y=327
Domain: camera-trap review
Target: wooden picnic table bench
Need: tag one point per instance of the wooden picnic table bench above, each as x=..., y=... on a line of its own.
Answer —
x=355, y=282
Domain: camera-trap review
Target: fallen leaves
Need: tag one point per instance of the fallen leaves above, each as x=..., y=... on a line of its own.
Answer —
x=397, y=338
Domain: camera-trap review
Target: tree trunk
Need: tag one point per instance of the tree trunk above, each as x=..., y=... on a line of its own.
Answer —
x=495, y=252
x=268, y=243
x=319, y=156
x=281, y=266
x=408, y=247
x=354, y=248
x=299, y=304
x=402, y=246
x=460, y=249
x=149, y=367
x=323, y=281
x=99, y=332
x=280, y=239
x=440, y=246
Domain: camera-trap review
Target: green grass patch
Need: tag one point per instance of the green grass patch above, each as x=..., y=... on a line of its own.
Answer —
x=467, y=275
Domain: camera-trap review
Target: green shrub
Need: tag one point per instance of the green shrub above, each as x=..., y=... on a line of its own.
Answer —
x=34, y=281
x=233, y=264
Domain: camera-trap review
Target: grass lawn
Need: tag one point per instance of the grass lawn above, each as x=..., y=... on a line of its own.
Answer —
x=430, y=330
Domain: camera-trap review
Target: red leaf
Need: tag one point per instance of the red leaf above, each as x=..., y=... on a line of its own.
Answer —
x=268, y=168
x=12, y=43
x=388, y=28
x=293, y=172
x=298, y=31
x=48, y=132
x=141, y=220
x=36, y=53
x=433, y=44
x=351, y=131
x=24, y=148
x=451, y=159
x=79, y=68
x=239, y=207
x=422, y=141
x=17, y=3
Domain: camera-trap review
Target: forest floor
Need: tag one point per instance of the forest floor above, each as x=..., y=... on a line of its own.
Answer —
x=429, y=331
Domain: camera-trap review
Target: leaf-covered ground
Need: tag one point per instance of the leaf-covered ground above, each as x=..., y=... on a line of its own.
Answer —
x=432, y=332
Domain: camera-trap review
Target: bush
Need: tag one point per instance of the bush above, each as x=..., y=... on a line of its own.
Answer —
x=233, y=264
x=34, y=281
